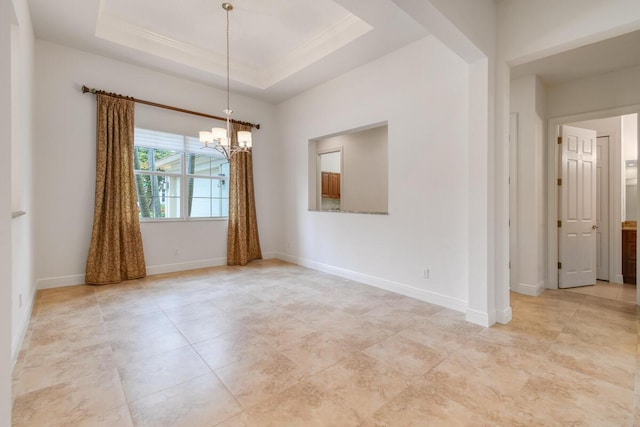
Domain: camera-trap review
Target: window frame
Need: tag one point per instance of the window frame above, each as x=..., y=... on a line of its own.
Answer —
x=184, y=178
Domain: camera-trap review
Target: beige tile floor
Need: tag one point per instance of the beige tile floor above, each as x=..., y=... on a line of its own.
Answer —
x=610, y=290
x=273, y=344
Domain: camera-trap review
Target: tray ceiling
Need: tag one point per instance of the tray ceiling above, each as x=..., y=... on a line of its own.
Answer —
x=278, y=47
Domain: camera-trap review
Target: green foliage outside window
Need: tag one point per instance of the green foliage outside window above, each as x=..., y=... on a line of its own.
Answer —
x=176, y=179
x=151, y=188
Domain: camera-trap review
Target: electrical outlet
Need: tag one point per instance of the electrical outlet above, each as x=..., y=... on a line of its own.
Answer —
x=288, y=245
x=425, y=273
x=19, y=300
x=176, y=252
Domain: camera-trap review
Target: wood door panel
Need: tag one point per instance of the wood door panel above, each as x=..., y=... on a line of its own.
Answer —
x=331, y=185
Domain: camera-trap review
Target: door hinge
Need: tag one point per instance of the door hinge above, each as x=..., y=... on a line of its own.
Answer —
x=559, y=140
x=559, y=265
x=559, y=224
x=559, y=181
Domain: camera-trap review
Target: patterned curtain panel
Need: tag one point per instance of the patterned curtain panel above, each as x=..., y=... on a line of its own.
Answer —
x=116, y=251
x=243, y=244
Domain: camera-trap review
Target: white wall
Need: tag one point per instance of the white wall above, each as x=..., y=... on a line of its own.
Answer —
x=6, y=15
x=421, y=90
x=597, y=93
x=528, y=268
x=468, y=28
x=630, y=136
x=22, y=239
x=533, y=29
x=65, y=162
x=331, y=162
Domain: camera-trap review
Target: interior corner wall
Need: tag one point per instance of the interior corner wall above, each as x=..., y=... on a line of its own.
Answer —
x=483, y=168
x=65, y=162
x=541, y=196
x=421, y=90
x=476, y=19
x=22, y=171
x=6, y=14
x=527, y=100
x=469, y=28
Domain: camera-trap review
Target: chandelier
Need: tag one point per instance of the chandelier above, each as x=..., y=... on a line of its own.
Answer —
x=221, y=139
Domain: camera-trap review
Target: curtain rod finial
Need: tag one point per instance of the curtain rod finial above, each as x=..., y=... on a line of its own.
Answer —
x=85, y=89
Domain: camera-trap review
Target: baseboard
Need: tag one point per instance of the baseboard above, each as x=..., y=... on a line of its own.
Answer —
x=529, y=289
x=78, y=279
x=504, y=316
x=184, y=266
x=480, y=317
x=194, y=265
x=388, y=285
x=59, y=282
x=488, y=319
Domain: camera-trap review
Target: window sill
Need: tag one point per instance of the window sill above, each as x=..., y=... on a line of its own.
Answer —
x=173, y=220
x=351, y=212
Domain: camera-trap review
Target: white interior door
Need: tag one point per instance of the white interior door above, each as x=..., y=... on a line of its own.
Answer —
x=577, y=239
x=602, y=209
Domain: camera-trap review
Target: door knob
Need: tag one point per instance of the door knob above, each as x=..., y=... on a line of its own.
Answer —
x=594, y=227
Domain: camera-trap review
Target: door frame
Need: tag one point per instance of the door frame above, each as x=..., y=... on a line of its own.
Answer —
x=513, y=201
x=615, y=191
x=318, y=172
x=605, y=208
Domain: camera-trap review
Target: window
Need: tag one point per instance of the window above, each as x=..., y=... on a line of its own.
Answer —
x=176, y=179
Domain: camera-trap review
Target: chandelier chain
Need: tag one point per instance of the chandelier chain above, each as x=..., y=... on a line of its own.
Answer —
x=225, y=141
x=228, y=86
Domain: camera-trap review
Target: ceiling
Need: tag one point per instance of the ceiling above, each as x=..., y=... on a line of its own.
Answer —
x=597, y=58
x=278, y=48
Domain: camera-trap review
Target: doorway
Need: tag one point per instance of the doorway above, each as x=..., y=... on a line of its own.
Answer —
x=610, y=129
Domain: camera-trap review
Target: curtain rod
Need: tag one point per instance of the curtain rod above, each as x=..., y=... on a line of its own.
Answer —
x=167, y=107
